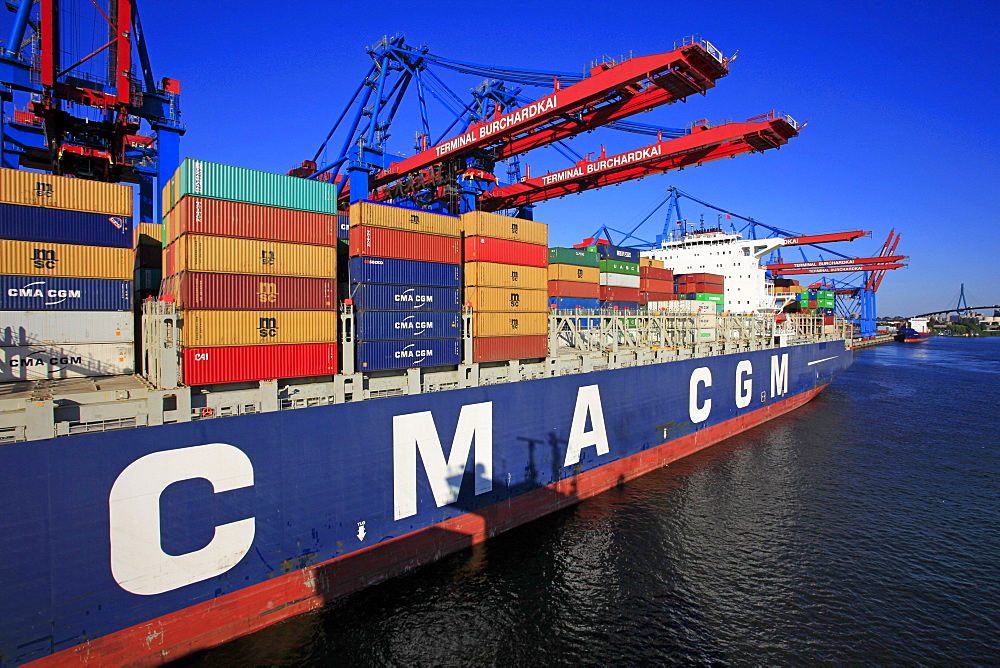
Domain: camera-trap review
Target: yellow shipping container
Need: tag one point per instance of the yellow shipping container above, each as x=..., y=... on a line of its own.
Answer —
x=34, y=258
x=510, y=324
x=495, y=226
x=200, y=329
x=228, y=255
x=650, y=262
x=147, y=234
x=399, y=218
x=495, y=275
x=572, y=272
x=63, y=192
x=507, y=300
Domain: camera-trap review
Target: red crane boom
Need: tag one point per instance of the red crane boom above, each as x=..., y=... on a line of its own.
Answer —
x=836, y=263
x=834, y=270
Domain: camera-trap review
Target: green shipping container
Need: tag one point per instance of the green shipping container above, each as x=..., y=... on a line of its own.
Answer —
x=707, y=297
x=582, y=257
x=619, y=267
x=237, y=184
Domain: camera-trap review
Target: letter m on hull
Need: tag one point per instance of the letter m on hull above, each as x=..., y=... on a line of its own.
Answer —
x=779, y=375
x=416, y=432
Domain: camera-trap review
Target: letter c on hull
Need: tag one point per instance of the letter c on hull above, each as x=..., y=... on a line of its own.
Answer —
x=138, y=562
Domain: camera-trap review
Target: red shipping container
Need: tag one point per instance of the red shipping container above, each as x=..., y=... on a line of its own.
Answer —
x=656, y=273
x=646, y=297
x=403, y=245
x=655, y=285
x=616, y=294
x=827, y=319
x=504, y=251
x=716, y=279
x=235, y=292
x=201, y=215
x=497, y=348
x=235, y=364
x=707, y=288
x=574, y=289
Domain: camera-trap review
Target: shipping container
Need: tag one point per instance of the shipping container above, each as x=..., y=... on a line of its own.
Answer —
x=148, y=280
x=495, y=275
x=619, y=267
x=32, y=258
x=147, y=234
x=219, y=292
x=49, y=362
x=576, y=273
x=504, y=251
x=238, y=184
x=24, y=293
x=620, y=280
x=705, y=297
x=63, y=192
x=513, y=300
x=496, y=226
x=405, y=272
x=29, y=328
x=574, y=289
x=510, y=324
x=376, y=297
x=583, y=257
x=646, y=296
x=225, y=255
x=650, y=263
x=656, y=273
x=209, y=329
x=343, y=226
x=400, y=245
x=498, y=348
x=62, y=226
x=620, y=253
x=714, y=279
x=708, y=288
x=150, y=257
x=384, y=355
x=216, y=217
x=704, y=335
x=573, y=303
x=655, y=285
x=392, y=217
x=236, y=364
x=407, y=325
x=618, y=294
x=618, y=305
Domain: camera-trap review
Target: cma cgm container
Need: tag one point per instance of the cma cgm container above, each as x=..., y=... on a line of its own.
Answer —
x=52, y=361
x=401, y=245
x=28, y=293
x=216, y=217
x=584, y=257
x=194, y=290
x=34, y=258
x=504, y=251
x=510, y=300
x=405, y=272
x=496, y=348
x=62, y=226
x=236, y=364
x=384, y=355
x=198, y=253
x=376, y=297
x=487, y=323
x=209, y=329
x=576, y=289
x=573, y=272
x=63, y=192
x=394, y=217
x=407, y=325
x=237, y=184
x=495, y=275
x=496, y=226
x=28, y=328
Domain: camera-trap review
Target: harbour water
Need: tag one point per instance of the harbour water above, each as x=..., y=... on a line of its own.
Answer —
x=864, y=527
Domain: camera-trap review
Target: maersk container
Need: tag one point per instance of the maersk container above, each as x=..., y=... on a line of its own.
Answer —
x=405, y=272
x=375, y=297
x=216, y=217
x=62, y=226
x=394, y=217
x=620, y=280
x=510, y=324
x=63, y=192
x=238, y=184
x=407, y=325
x=620, y=253
x=225, y=255
x=574, y=272
x=401, y=245
x=50, y=362
x=496, y=226
x=210, y=329
x=236, y=364
x=619, y=267
x=619, y=294
x=504, y=251
x=496, y=275
x=26, y=293
x=507, y=300
x=498, y=348
x=575, y=289
x=385, y=355
x=573, y=303
x=35, y=258
x=583, y=257
x=196, y=290
x=656, y=273
x=29, y=328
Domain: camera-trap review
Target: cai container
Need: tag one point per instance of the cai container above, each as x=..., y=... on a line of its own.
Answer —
x=29, y=328
x=377, y=297
x=504, y=251
x=63, y=192
x=404, y=272
x=26, y=293
x=402, y=245
x=52, y=361
x=63, y=226
x=497, y=348
x=496, y=275
x=488, y=323
x=226, y=255
x=35, y=258
x=196, y=290
x=385, y=355
x=510, y=300
x=407, y=325
x=216, y=217
x=394, y=217
x=574, y=289
x=209, y=329
x=574, y=272
x=496, y=226
x=235, y=364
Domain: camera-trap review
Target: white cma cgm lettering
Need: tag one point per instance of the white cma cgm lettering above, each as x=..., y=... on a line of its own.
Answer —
x=414, y=298
x=406, y=324
x=588, y=402
x=37, y=292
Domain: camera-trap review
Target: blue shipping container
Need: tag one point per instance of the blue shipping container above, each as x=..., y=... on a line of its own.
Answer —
x=343, y=226
x=405, y=272
x=61, y=226
x=609, y=252
x=621, y=305
x=371, y=297
x=383, y=355
x=34, y=293
x=573, y=303
x=407, y=325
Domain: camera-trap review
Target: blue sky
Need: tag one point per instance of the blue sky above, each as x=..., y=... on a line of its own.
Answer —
x=901, y=99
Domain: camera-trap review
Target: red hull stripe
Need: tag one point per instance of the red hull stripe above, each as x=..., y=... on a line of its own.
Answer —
x=220, y=620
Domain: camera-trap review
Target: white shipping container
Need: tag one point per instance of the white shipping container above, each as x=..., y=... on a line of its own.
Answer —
x=704, y=336
x=29, y=328
x=51, y=362
x=619, y=280
x=706, y=320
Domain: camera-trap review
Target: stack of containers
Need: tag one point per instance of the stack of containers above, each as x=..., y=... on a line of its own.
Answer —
x=656, y=284
x=825, y=302
x=405, y=284
x=251, y=262
x=65, y=277
x=619, y=276
x=702, y=287
x=574, y=278
x=506, y=284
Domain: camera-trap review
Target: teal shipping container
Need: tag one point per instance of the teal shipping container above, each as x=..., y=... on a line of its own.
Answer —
x=582, y=257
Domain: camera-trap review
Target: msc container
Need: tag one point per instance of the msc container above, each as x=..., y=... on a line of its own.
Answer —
x=620, y=253
x=29, y=328
x=407, y=325
x=619, y=294
x=49, y=362
x=401, y=245
x=404, y=272
x=619, y=267
x=62, y=226
x=584, y=257
x=574, y=289
x=226, y=255
x=375, y=297
x=497, y=348
x=63, y=192
x=504, y=251
x=655, y=285
x=574, y=272
x=656, y=273
x=511, y=300
x=650, y=263
x=236, y=364
x=238, y=184
x=620, y=280
x=24, y=293
x=33, y=258
x=208, y=329
x=510, y=324
x=384, y=355
x=574, y=303
x=496, y=226
x=148, y=280
x=202, y=215
x=494, y=275
x=394, y=217
x=195, y=290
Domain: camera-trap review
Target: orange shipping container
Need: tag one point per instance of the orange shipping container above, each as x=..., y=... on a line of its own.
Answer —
x=217, y=217
x=496, y=348
x=510, y=324
x=392, y=217
x=33, y=258
x=63, y=192
x=225, y=255
x=572, y=272
x=496, y=275
x=201, y=329
x=495, y=226
x=512, y=300
x=650, y=262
